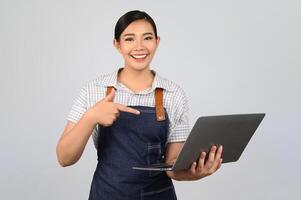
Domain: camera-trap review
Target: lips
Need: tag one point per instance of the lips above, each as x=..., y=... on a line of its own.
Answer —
x=139, y=57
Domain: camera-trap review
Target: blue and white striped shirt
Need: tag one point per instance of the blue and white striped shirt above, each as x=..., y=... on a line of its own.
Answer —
x=174, y=100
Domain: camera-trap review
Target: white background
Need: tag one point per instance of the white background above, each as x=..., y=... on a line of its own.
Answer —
x=230, y=56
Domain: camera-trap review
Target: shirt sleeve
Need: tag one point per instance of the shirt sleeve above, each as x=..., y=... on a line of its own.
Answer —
x=179, y=126
x=79, y=106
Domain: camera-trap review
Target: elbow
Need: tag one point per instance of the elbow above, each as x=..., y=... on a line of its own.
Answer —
x=62, y=159
x=63, y=163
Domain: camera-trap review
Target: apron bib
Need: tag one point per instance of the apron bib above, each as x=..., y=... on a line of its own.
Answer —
x=133, y=140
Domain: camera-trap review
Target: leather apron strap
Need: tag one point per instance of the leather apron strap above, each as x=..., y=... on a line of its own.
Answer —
x=109, y=89
x=160, y=114
x=159, y=104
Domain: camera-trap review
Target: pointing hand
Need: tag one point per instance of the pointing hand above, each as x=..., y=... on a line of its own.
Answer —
x=105, y=112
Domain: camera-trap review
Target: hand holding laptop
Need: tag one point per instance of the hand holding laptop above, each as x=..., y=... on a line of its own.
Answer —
x=205, y=166
x=208, y=166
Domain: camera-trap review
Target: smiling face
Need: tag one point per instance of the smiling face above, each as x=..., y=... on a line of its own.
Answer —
x=137, y=44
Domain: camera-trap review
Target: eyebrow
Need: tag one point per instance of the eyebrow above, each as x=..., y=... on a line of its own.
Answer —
x=132, y=34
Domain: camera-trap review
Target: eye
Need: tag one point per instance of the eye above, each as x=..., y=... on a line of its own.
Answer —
x=129, y=39
x=148, y=38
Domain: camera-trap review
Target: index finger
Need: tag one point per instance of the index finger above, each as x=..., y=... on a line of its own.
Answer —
x=124, y=108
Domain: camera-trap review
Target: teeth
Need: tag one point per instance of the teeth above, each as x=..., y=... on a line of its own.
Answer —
x=139, y=56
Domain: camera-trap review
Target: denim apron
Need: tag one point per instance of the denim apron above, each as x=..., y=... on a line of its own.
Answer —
x=132, y=140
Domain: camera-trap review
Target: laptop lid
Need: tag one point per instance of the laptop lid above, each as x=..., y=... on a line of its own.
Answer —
x=232, y=131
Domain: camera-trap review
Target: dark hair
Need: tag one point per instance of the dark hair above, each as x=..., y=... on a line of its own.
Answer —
x=130, y=17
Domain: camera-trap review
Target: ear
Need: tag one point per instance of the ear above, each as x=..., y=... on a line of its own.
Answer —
x=116, y=44
x=158, y=40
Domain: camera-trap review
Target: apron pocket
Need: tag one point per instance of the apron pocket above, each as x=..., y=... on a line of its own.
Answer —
x=154, y=153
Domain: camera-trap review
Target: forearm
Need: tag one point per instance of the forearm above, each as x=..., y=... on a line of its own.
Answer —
x=182, y=175
x=71, y=146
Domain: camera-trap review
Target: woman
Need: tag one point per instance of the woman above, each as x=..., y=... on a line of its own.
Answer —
x=135, y=118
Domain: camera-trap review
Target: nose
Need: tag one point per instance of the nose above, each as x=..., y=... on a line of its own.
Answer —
x=139, y=45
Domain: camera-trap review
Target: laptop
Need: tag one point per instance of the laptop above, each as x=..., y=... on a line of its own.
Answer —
x=232, y=131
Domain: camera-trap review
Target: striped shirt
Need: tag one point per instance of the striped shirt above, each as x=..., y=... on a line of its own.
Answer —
x=174, y=101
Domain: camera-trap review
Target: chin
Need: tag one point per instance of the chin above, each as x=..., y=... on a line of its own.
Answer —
x=139, y=67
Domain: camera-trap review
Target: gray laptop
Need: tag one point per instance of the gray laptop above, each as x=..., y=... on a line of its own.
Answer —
x=232, y=131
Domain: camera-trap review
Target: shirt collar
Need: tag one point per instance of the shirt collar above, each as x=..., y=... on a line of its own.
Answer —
x=158, y=82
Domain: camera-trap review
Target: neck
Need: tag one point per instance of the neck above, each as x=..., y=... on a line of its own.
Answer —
x=136, y=80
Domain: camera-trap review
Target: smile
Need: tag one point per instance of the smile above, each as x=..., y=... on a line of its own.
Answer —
x=141, y=56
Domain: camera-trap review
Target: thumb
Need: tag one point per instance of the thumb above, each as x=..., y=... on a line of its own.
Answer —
x=110, y=96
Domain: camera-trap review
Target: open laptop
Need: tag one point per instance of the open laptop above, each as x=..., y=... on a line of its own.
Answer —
x=232, y=131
